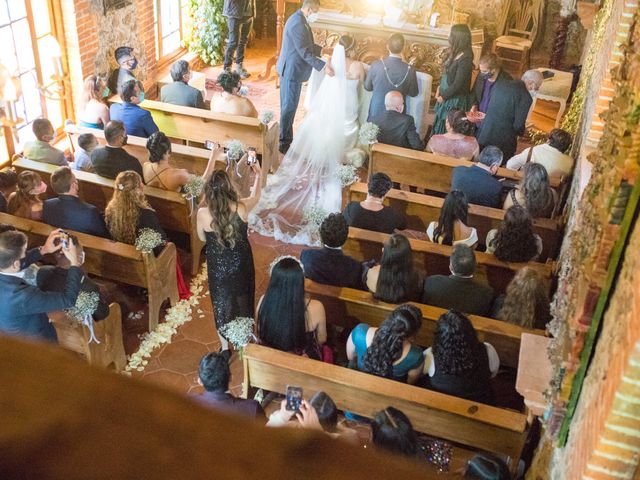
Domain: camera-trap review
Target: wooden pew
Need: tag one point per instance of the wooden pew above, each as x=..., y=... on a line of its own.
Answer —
x=198, y=125
x=174, y=211
x=346, y=307
x=117, y=261
x=74, y=336
x=420, y=210
x=433, y=259
x=472, y=424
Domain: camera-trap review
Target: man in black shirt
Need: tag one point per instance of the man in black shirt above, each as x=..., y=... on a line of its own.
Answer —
x=478, y=182
x=112, y=159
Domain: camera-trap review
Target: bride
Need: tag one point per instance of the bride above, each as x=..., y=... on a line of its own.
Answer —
x=306, y=184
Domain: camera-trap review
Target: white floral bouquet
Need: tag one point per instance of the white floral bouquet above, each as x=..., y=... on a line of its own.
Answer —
x=193, y=188
x=239, y=332
x=314, y=216
x=347, y=175
x=266, y=117
x=235, y=150
x=369, y=133
x=148, y=239
x=83, y=310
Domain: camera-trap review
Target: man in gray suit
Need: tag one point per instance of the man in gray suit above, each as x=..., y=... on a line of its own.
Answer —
x=180, y=92
x=298, y=55
x=240, y=14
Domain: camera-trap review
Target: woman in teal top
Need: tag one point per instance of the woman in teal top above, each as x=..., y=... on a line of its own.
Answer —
x=386, y=351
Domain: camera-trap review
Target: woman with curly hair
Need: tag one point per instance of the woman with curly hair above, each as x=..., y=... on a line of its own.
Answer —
x=515, y=241
x=391, y=430
x=533, y=193
x=394, y=280
x=451, y=228
x=230, y=101
x=526, y=301
x=459, y=141
x=458, y=363
x=94, y=112
x=222, y=224
x=387, y=351
x=25, y=201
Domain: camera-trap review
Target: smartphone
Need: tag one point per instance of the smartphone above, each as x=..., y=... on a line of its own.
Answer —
x=294, y=398
x=251, y=156
x=210, y=144
x=64, y=240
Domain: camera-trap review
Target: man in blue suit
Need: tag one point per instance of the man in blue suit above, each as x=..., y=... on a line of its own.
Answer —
x=68, y=211
x=137, y=121
x=298, y=56
x=25, y=306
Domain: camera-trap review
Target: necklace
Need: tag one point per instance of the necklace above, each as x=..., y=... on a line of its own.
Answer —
x=386, y=72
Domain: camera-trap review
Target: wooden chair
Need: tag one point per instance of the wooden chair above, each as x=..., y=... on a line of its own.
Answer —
x=346, y=307
x=433, y=259
x=472, y=424
x=420, y=210
x=119, y=262
x=74, y=336
x=174, y=211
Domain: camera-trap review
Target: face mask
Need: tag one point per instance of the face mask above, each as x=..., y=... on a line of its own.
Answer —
x=124, y=140
x=486, y=75
x=141, y=97
x=134, y=64
x=312, y=17
x=533, y=93
x=106, y=92
x=243, y=91
x=39, y=189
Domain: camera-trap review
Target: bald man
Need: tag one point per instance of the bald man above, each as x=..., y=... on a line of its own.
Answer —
x=397, y=128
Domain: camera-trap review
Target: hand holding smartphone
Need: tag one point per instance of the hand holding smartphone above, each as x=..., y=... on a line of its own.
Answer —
x=211, y=145
x=251, y=156
x=293, y=398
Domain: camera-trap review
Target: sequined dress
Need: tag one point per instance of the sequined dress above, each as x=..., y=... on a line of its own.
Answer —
x=231, y=277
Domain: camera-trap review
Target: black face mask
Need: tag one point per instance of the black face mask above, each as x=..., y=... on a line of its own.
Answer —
x=486, y=75
x=124, y=140
x=23, y=263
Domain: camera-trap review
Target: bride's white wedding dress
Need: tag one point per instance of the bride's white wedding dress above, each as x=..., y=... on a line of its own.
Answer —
x=307, y=177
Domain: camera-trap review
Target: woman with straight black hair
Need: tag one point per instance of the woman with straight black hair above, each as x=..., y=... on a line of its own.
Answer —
x=486, y=467
x=451, y=228
x=387, y=351
x=392, y=431
x=288, y=319
x=394, y=280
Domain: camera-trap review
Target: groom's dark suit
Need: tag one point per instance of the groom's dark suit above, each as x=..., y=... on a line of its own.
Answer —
x=379, y=81
x=298, y=56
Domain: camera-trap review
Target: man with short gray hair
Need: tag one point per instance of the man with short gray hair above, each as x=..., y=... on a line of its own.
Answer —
x=180, y=92
x=478, y=182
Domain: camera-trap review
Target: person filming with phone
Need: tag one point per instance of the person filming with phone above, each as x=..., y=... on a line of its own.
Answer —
x=25, y=306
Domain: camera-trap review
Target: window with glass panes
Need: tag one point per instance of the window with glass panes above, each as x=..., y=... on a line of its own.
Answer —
x=171, y=17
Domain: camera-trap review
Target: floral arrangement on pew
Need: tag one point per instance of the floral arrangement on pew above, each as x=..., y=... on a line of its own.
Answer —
x=369, y=133
x=235, y=151
x=347, y=175
x=148, y=239
x=239, y=332
x=83, y=310
x=266, y=117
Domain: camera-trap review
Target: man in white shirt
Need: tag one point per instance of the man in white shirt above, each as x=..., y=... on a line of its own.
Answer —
x=551, y=155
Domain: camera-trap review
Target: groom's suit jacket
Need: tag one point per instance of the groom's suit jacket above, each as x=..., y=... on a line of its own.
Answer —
x=298, y=54
x=379, y=81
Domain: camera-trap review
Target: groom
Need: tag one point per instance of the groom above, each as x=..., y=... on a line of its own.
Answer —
x=298, y=56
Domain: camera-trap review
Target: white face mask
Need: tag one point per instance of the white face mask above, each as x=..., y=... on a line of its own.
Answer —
x=312, y=17
x=533, y=93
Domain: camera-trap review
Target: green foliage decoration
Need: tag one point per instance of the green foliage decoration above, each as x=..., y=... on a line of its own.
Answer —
x=209, y=30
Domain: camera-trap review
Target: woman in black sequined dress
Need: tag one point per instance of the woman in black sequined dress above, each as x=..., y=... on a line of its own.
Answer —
x=222, y=223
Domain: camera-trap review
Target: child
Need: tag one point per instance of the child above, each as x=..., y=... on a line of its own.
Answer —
x=40, y=150
x=87, y=142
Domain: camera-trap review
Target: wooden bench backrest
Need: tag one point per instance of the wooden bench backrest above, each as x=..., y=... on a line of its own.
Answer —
x=424, y=169
x=469, y=423
x=420, y=210
x=433, y=259
x=346, y=307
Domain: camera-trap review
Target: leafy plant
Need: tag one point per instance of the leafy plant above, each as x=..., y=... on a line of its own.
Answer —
x=209, y=30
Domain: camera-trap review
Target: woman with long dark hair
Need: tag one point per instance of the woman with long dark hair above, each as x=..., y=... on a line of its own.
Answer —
x=455, y=82
x=451, y=228
x=459, y=140
x=222, y=223
x=387, y=351
x=394, y=280
x=391, y=430
x=288, y=319
x=534, y=193
x=526, y=301
x=458, y=363
x=514, y=240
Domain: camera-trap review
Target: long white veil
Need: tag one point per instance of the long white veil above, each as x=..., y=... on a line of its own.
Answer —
x=306, y=180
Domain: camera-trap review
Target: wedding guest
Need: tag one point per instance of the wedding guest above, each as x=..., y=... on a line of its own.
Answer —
x=484, y=466
x=397, y=128
x=329, y=265
x=552, y=155
x=288, y=319
x=179, y=92
x=87, y=143
x=526, y=302
x=390, y=74
x=392, y=431
x=533, y=193
x=137, y=121
x=240, y=15
x=491, y=74
x=8, y=183
x=388, y=351
x=127, y=63
x=94, y=111
x=67, y=210
x=459, y=291
x=214, y=375
x=514, y=240
x=394, y=279
x=40, y=149
x=371, y=214
x=25, y=202
x=157, y=171
x=25, y=307
x=478, y=181
x=458, y=141
x=110, y=160
x=453, y=91
x=451, y=228
x=458, y=363
x=229, y=101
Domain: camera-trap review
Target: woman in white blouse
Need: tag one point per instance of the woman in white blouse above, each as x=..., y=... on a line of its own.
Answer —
x=451, y=228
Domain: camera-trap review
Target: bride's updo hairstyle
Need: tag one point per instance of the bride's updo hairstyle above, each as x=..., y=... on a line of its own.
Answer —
x=228, y=81
x=158, y=146
x=219, y=196
x=348, y=42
